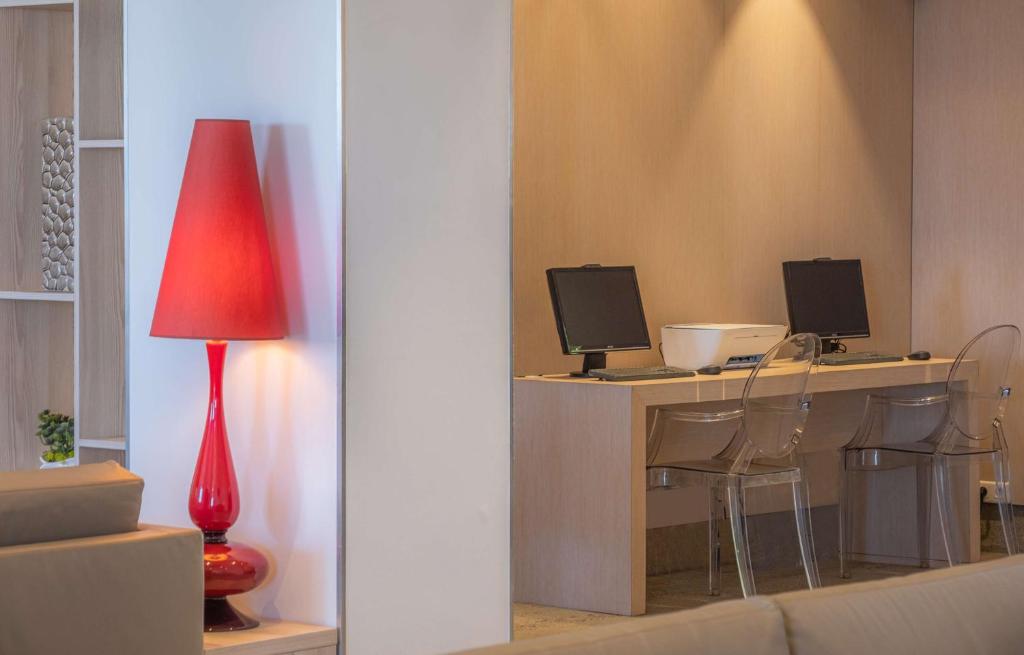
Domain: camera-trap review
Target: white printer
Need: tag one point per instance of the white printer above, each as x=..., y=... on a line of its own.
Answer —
x=729, y=345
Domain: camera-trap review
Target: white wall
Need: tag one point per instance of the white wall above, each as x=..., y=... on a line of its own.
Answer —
x=427, y=336
x=277, y=64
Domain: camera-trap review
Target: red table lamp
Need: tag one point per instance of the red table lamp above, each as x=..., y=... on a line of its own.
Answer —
x=218, y=285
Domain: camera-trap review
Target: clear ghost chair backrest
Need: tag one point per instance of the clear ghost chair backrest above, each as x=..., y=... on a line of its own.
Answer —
x=977, y=384
x=775, y=400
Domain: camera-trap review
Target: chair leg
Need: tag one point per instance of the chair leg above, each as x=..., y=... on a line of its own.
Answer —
x=1002, y=470
x=804, y=533
x=715, y=510
x=845, y=524
x=740, y=541
x=924, y=512
x=947, y=509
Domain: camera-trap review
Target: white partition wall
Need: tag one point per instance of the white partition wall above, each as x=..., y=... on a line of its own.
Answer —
x=426, y=309
x=276, y=64
x=427, y=90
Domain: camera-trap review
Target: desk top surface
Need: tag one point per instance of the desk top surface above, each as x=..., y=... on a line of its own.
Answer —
x=935, y=365
x=729, y=384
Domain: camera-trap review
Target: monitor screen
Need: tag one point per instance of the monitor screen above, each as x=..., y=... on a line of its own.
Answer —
x=598, y=309
x=826, y=297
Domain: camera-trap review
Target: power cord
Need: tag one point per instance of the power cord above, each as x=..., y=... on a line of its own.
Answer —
x=837, y=346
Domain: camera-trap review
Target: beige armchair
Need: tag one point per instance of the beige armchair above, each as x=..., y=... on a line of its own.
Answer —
x=78, y=574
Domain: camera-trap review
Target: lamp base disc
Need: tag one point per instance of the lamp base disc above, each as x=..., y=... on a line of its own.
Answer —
x=220, y=616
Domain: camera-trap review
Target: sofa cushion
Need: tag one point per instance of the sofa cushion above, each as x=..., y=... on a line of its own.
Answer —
x=67, y=503
x=133, y=593
x=741, y=627
x=967, y=609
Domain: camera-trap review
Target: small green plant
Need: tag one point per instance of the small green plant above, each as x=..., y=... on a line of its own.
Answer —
x=57, y=432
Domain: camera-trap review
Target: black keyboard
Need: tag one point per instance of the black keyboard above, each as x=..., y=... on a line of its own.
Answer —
x=845, y=359
x=649, y=373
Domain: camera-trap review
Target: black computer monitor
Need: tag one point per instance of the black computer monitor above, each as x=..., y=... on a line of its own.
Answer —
x=597, y=310
x=826, y=297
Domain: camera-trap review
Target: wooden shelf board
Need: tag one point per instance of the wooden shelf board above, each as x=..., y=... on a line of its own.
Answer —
x=45, y=296
x=100, y=143
x=271, y=638
x=102, y=443
x=34, y=3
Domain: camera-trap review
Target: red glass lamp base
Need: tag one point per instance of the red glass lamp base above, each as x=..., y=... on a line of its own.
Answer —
x=220, y=616
x=230, y=568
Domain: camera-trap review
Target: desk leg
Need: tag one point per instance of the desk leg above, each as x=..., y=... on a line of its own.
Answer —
x=886, y=531
x=578, y=497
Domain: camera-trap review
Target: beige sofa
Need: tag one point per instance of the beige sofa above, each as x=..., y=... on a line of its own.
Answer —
x=79, y=575
x=969, y=610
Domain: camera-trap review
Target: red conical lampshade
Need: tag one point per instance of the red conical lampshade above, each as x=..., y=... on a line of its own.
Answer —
x=219, y=280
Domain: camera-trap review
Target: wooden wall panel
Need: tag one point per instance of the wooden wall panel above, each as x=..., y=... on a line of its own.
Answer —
x=37, y=359
x=706, y=142
x=100, y=47
x=36, y=69
x=969, y=179
x=99, y=455
x=8, y=357
x=101, y=271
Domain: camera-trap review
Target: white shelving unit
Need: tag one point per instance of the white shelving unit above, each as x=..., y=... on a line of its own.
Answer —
x=39, y=296
x=99, y=311
x=100, y=143
x=112, y=443
x=32, y=3
x=37, y=330
x=65, y=349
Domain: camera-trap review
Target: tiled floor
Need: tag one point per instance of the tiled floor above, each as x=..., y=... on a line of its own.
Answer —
x=685, y=590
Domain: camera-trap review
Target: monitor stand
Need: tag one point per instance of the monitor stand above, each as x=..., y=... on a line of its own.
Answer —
x=829, y=346
x=591, y=360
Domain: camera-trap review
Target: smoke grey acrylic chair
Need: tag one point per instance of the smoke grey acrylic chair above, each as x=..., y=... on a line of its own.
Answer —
x=771, y=418
x=970, y=428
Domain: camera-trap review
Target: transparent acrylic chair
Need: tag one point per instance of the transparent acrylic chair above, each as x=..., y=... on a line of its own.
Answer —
x=971, y=426
x=771, y=418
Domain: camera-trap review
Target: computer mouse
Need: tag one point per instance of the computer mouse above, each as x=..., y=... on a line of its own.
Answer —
x=710, y=370
x=920, y=355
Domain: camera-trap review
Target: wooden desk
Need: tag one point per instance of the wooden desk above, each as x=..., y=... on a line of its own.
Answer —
x=579, y=471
